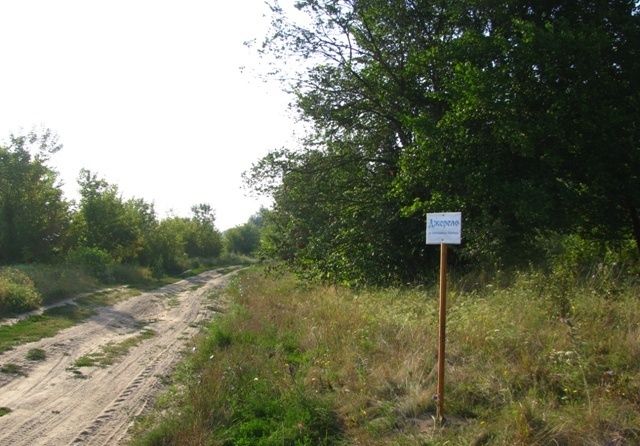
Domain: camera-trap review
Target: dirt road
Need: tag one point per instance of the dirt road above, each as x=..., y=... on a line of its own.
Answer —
x=58, y=403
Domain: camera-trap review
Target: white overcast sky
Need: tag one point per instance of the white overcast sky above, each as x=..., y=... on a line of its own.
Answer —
x=147, y=93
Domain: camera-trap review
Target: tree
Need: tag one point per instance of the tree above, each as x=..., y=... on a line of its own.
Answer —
x=244, y=239
x=201, y=237
x=104, y=220
x=34, y=216
x=520, y=114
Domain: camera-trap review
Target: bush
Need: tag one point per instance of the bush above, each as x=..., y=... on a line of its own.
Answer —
x=17, y=292
x=94, y=261
x=36, y=354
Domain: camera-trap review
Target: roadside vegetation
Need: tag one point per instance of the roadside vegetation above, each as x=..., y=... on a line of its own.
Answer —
x=52, y=249
x=522, y=115
x=531, y=359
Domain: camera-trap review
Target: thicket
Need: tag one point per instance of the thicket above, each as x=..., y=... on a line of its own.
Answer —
x=61, y=247
x=522, y=115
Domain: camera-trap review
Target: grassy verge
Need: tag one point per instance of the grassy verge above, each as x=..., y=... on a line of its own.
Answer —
x=296, y=364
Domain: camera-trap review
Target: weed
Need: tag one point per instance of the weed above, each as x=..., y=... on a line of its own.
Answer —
x=85, y=361
x=4, y=411
x=11, y=369
x=36, y=354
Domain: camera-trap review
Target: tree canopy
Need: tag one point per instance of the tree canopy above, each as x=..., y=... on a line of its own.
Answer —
x=38, y=225
x=522, y=115
x=33, y=214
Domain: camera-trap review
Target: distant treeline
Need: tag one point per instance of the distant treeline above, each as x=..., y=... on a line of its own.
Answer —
x=522, y=115
x=38, y=225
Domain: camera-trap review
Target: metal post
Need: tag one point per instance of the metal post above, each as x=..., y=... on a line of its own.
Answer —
x=441, y=331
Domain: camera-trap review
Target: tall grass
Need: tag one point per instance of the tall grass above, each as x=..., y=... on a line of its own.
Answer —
x=56, y=282
x=342, y=367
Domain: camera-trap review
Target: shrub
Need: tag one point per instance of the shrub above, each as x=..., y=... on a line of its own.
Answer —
x=95, y=261
x=36, y=354
x=17, y=292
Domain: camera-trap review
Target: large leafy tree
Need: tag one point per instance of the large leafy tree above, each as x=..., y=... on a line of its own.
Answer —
x=202, y=238
x=521, y=114
x=34, y=216
x=106, y=221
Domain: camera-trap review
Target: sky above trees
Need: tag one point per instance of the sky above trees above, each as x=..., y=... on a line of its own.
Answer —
x=159, y=97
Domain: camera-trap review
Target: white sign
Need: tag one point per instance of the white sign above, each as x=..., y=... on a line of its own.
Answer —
x=444, y=227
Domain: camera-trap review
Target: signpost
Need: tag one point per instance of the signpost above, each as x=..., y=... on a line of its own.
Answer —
x=442, y=229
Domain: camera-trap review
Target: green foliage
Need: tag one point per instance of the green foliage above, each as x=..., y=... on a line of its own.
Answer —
x=243, y=239
x=94, y=261
x=176, y=239
x=165, y=249
x=96, y=238
x=201, y=237
x=17, y=292
x=520, y=115
x=107, y=222
x=34, y=217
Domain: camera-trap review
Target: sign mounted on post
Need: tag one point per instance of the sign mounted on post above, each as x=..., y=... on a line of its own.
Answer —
x=444, y=227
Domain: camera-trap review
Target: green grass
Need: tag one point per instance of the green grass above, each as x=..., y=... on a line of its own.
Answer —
x=36, y=354
x=294, y=363
x=4, y=411
x=112, y=351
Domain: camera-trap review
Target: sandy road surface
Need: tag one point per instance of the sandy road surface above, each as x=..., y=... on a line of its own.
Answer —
x=56, y=405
